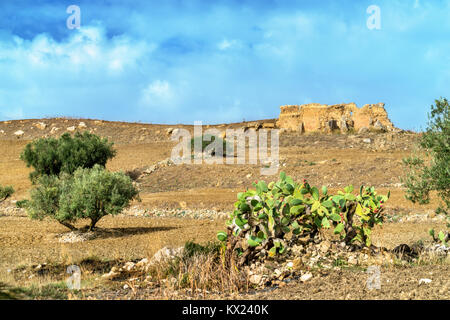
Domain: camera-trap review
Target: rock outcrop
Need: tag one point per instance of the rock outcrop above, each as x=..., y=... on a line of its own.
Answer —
x=317, y=117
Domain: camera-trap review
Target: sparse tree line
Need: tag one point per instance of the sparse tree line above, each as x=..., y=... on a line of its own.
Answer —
x=70, y=181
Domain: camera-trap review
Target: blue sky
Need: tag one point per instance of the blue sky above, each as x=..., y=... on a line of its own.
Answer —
x=220, y=61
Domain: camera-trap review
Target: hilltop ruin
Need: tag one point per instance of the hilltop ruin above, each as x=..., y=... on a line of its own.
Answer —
x=317, y=117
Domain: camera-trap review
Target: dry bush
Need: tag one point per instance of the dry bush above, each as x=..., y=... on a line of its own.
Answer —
x=200, y=272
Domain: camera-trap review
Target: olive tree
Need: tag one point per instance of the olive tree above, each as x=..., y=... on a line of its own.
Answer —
x=45, y=199
x=51, y=156
x=429, y=169
x=90, y=193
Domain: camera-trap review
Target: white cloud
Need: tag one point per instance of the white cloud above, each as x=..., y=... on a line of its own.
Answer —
x=228, y=44
x=159, y=93
x=88, y=48
x=85, y=74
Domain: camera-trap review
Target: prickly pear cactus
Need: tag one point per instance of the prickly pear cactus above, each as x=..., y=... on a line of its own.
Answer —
x=264, y=216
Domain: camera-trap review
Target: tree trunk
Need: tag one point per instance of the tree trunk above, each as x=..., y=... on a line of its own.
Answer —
x=68, y=225
x=93, y=223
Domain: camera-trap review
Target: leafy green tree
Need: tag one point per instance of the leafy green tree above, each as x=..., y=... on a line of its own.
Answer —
x=429, y=169
x=5, y=193
x=50, y=156
x=90, y=193
x=45, y=199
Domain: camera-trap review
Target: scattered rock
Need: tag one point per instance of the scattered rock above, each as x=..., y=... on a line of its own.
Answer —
x=325, y=246
x=352, y=260
x=82, y=125
x=165, y=254
x=424, y=281
x=367, y=140
x=256, y=279
x=297, y=263
x=41, y=125
x=307, y=276
x=161, y=164
x=19, y=133
x=110, y=275
x=129, y=266
x=143, y=263
x=54, y=130
x=71, y=129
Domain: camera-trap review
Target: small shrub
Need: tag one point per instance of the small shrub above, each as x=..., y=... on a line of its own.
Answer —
x=88, y=194
x=191, y=248
x=264, y=217
x=5, y=193
x=206, y=140
x=50, y=156
x=22, y=203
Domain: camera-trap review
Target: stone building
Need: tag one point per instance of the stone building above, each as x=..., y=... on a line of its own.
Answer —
x=316, y=117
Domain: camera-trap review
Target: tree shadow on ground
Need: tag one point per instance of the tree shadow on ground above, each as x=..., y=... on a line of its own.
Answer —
x=8, y=293
x=105, y=233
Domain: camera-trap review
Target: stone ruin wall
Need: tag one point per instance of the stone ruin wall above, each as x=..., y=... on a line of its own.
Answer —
x=316, y=117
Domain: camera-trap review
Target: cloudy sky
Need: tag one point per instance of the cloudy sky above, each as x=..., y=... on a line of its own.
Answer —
x=220, y=61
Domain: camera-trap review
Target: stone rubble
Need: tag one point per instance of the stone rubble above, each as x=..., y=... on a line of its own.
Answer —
x=75, y=236
x=143, y=266
x=177, y=213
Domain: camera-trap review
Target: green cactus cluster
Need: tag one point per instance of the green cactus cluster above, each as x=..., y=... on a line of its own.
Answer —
x=264, y=216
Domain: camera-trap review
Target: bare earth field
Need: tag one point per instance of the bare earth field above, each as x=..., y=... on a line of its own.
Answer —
x=189, y=202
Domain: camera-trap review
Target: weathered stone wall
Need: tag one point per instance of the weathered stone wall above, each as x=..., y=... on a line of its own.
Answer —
x=316, y=117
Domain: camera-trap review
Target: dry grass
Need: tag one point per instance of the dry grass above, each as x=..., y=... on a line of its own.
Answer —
x=201, y=272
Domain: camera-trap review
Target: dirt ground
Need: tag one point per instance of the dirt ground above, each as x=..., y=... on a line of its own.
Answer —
x=334, y=160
